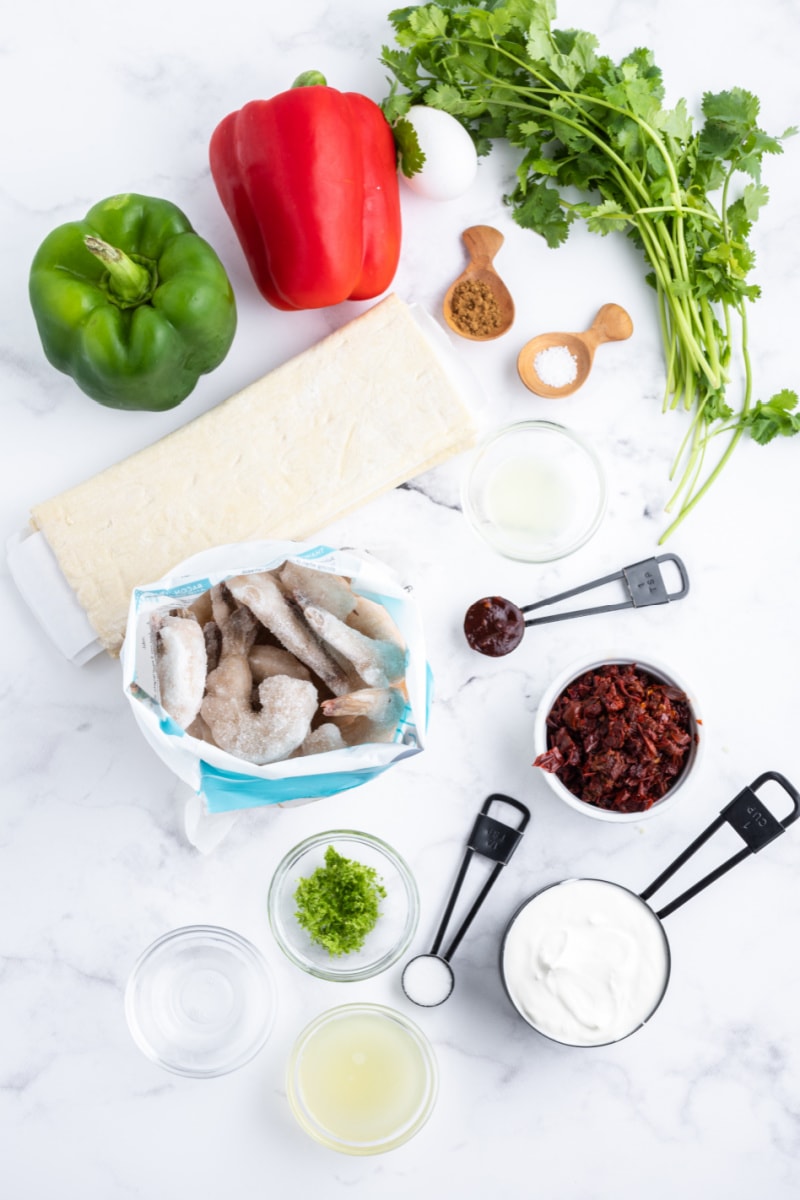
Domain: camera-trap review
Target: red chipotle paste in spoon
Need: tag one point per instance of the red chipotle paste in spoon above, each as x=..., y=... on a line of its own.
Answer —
x=494, y=626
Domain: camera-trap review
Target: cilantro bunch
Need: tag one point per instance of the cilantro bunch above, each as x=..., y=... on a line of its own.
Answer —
x=589, y=126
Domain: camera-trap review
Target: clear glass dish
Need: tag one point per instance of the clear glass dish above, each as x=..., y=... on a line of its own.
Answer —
x=534, y=491
x=200, y=1001
x=396, y=924
x=362, y=1079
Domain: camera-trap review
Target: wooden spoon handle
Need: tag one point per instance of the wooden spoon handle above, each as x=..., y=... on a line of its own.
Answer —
x=482, y=242
x=612, y=324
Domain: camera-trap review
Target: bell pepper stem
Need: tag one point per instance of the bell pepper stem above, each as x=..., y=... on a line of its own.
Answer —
x=128, y=280
x=310, y=79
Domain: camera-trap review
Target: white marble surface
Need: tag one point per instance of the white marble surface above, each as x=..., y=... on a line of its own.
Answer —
x=94, y=863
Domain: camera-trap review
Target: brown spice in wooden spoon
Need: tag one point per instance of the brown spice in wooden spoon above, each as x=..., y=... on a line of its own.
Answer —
x=474, y=308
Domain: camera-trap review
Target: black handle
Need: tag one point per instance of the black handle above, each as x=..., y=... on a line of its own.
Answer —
x=494, y=840
x=754, y=823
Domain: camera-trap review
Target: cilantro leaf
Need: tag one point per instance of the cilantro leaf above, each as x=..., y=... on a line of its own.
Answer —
x=429, y=21
x=540, y=209
x=736, y=109
x=411, y=154
x=396, y=104
x=776, y=418
x=605, y=217
x=676, y=122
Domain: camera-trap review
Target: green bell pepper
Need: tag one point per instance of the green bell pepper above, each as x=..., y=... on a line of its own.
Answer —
x=132, y=303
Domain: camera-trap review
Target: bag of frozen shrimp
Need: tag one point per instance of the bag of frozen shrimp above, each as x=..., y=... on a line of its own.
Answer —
x=277, y=672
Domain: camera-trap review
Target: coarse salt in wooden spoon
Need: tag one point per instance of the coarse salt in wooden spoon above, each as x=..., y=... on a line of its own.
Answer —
x=557, y=364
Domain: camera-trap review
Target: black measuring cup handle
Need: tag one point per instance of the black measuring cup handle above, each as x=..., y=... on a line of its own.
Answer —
x=494, y=840
x=752, y=820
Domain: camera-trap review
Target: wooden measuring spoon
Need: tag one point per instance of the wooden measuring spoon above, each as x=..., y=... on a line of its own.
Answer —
x=482, y=243
x=612, y=324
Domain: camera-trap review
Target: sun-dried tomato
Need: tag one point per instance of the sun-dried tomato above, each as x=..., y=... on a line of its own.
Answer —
x=618, y=737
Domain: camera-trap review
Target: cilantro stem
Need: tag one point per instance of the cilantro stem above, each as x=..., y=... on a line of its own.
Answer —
x=691, y=436
x=654, y=209
x=711, y=337
x=670, y=349
x=738, y=430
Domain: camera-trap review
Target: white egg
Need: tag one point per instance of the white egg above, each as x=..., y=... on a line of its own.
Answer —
x=451, y=161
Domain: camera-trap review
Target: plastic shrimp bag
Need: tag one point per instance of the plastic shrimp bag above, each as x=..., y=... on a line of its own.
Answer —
x=222, y=781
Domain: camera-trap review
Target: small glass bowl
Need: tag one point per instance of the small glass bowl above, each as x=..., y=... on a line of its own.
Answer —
x=534, y=491
x=362, y=1079
x=393, y=931
x=666, y=675
x=200, y=1001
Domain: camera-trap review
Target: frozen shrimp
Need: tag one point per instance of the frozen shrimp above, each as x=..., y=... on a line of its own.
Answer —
x=213, y=641
x=272, y=733
x=232, y=679
x=199, y=729
x=234, y=638
x=238, y=633
x=263, y=596
x=273, y=660
x=372, y=619
x=308, y=586
x=201, y=608
x=377, y=663
x=221, y=603
x=325, y=737
x=368, y=715
x=180, y=667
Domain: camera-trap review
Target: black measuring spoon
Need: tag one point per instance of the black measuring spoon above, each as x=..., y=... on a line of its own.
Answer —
x=428, y=979
x=495, y=626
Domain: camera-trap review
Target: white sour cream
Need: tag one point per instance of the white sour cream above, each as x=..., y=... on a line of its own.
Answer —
x=586, y=962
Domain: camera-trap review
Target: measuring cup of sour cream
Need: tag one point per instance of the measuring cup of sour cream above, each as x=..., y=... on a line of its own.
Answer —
x=587, y=962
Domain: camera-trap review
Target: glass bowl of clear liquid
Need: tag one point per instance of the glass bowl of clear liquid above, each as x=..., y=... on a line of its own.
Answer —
x=200, y=1001
x=534, y=490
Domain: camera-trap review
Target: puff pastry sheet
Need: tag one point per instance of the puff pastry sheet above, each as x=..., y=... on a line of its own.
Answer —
x=365, y=409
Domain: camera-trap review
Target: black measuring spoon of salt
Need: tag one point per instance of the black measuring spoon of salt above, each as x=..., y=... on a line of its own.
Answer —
x=495, y=626
x=428, y=979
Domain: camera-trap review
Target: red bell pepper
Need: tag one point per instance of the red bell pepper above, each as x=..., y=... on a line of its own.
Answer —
x=309, y=181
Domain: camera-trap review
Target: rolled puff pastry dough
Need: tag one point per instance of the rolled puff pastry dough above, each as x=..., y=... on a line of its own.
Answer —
x=362, y=411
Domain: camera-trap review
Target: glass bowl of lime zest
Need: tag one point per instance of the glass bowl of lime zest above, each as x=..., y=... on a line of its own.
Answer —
x=343, y=905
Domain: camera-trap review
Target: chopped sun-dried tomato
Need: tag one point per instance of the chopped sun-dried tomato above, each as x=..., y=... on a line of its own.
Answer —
x=618, y=737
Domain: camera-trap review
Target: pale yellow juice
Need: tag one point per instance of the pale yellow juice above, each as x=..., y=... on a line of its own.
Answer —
x=530, y=495
x=362, y=1078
